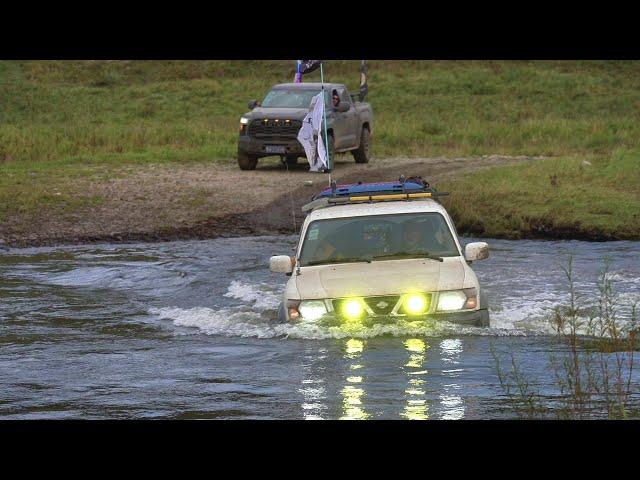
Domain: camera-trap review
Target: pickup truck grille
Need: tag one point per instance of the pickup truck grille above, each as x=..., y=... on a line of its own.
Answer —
x=274, y=128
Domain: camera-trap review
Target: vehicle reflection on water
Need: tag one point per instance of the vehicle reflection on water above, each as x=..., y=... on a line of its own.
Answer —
x=450, y=399
x=313, y=390
x=416, y=407
x=353, y=393
x=352, y=390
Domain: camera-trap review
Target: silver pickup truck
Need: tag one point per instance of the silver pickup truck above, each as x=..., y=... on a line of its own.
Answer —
x=272, y=126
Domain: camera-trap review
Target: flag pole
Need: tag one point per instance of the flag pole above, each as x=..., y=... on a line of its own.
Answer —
x=324, y=114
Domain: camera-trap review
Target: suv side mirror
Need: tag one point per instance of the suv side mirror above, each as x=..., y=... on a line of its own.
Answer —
x=281, y=264
x=476, y=251
x=342, y=107
x=253, y=104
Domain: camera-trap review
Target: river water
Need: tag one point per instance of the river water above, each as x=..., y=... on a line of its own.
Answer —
x=187, y=330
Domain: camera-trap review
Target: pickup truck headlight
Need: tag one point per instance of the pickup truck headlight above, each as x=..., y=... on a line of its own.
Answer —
x=312, y=309
x=450, y=301
x=244, y=121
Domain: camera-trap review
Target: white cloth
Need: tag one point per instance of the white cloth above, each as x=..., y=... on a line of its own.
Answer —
x=312, y=129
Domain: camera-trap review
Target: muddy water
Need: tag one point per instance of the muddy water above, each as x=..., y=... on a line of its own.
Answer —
x=187, y=330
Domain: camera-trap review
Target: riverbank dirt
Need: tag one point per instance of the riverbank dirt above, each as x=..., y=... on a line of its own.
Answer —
x=176, y=201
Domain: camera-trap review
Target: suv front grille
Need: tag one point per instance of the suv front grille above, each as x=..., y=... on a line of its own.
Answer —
x=274, y=128
x=382, y=305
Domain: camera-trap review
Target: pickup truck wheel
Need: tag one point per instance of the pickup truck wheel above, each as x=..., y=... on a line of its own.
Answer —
x=247, y=162
x=291, y=161
x=362, y=153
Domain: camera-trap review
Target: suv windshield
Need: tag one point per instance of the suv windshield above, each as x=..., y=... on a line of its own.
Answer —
x=376, y=238
x=289, y=98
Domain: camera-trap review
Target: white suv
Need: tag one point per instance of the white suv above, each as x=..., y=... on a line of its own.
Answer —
x=377, y=252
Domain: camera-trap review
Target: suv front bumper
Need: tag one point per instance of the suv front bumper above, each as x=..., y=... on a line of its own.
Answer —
x=478, y=318
x=258, y=147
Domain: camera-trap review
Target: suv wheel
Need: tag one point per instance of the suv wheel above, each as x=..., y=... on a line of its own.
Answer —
x=362, y=154
x=247, y=162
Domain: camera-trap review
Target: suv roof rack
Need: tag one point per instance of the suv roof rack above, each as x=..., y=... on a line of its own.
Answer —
x=411, y=188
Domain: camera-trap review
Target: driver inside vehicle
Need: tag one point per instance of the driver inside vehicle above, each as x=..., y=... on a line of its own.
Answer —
x=335, y=99
x=425, y=237
x=414, y=238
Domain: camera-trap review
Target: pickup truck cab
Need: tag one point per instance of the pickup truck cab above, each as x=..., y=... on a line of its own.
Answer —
x=272, y=126
x=378, y=253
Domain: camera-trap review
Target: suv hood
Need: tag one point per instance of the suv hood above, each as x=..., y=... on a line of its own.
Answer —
x=290, y=113
x=380, y=278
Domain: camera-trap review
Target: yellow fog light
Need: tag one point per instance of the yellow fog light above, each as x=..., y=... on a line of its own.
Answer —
x=352, y=309
x=416, y=304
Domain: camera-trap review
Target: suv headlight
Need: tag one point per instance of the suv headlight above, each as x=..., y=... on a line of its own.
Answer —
x=452, y=300
x=312, y=309
x=244, y=120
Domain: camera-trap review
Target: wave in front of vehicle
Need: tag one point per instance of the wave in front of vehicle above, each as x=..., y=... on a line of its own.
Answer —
x=256, y=316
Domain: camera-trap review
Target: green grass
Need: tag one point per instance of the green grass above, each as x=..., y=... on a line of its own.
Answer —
x=188, y=111
x=71, y=119
x=561, y=197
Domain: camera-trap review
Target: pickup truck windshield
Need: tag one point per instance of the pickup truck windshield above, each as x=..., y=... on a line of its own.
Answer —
x=283, y=98
x=377, y=238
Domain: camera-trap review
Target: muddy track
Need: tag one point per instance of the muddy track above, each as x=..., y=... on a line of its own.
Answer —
x=280, y=195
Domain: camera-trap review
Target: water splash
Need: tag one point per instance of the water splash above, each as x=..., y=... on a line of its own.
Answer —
x=241, y=322
x=261, y=296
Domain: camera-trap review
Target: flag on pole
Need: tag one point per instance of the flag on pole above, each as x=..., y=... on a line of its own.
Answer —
x=308, y=66
x=310, y=135
x=364, y=85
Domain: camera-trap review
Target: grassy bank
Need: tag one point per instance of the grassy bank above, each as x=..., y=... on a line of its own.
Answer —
x=570, y=197
x=63, y=122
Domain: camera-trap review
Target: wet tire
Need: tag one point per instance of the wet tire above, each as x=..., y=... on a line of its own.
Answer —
x=484, y=321
x=282, y=314
x=363, y=153
x=247, y=162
